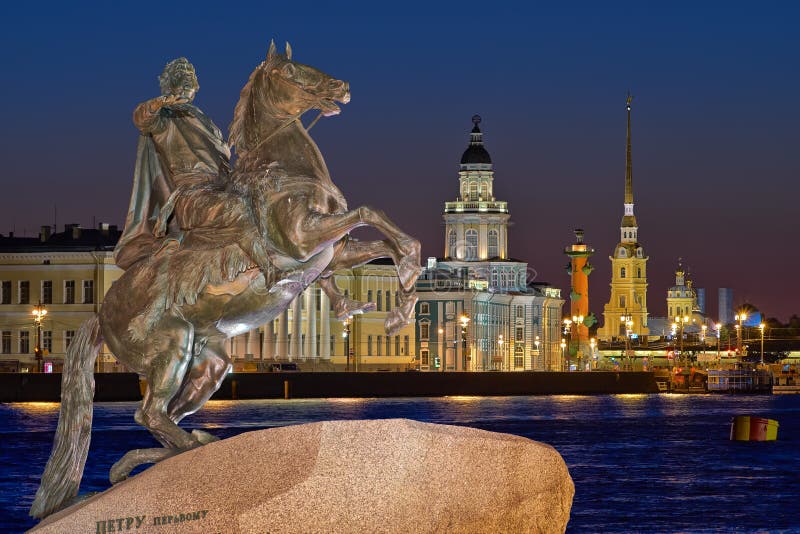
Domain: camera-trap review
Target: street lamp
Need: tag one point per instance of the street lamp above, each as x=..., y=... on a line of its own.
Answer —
x=741, y=317
x=464, y=322
x=628, y=321
x=500, y=347
x=346, y=336
x=563, y=345
x=703, y=337
x=568, y=336
x=577, y=321
x=536, y=343
x=718, y=327
x=681, y=322
x=593, y=344
x=761, y=327
x=39, y=312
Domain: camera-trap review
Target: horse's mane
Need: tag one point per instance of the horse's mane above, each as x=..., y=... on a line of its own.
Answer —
x=238, y=131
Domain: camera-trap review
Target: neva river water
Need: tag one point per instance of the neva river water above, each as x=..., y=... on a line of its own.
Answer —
x=640, y=463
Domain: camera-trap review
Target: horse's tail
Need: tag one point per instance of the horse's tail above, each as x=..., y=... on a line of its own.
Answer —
x=62, y=476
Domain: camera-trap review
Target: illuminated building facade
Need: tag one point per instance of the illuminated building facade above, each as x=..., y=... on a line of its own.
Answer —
x=626, y=312
x=477, y=310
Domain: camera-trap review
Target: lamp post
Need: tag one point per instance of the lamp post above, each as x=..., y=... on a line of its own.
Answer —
x=741, y=317
x=464, y=322
x=593, y=361
x=536, y=343
x=718, y=327
x=39, y=312
x=442, y=349
x=628, y=321
x=703, y=337
x=761, y=327
x=568, y=340
x=577, y=321
x=346, y=336
x=681, y=322
x=563, y=345
x=500, y=348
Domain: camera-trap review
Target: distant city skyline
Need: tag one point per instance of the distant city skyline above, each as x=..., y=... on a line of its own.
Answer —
x=714, y=122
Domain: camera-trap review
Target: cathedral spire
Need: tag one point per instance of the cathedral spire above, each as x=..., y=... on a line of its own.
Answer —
x=628, y=227
x=628, y=162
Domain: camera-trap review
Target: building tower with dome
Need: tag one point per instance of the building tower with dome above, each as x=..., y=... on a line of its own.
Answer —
x=626, y=312
x=478, y=310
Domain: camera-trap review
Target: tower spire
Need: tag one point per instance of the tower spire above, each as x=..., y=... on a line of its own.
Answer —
x=628, y=162
x=629, y=228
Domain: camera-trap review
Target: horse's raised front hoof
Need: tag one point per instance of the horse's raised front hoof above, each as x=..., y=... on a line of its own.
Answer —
x=345, y=308
x=204, y=437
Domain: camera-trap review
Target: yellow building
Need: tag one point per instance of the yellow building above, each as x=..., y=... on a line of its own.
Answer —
x=69, y=274
x=625, y=315
x=682, y=299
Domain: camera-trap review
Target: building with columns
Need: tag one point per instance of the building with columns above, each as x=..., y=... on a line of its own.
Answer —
x=308, y=333
x=477, y=310
x=626, y=311
x=69, y=273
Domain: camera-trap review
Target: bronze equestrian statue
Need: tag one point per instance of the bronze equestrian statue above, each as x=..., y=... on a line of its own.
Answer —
x=215, y=253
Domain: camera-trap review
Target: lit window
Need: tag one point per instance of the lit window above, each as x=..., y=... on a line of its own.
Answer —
x=424, y=308
x=472, y=244
x=492, y=243
x=69, y=292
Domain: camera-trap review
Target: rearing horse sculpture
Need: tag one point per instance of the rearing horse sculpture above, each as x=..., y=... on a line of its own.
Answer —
x=253, y=246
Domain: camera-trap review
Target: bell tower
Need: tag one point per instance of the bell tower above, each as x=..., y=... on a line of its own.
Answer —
x=626, y=312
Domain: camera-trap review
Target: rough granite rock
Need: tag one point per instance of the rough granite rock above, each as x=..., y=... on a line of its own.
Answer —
x=392, y=475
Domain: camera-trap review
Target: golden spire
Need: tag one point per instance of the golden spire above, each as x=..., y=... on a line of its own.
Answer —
x=628, y=162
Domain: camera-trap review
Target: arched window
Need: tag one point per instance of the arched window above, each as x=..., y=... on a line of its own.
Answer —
x=388, y=301
x=492, y=244
x=472, y=244
x=484, y=191
x=519, y=356
x=473, y=191
x=622, y=272
x=638, y=272
x=379, y=302
x=451, y=244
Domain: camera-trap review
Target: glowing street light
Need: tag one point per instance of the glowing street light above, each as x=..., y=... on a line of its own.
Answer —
x=563, y=346
x=464, y=320
x=38, y=312
x=718, y=328
x=741, y=317
x=761, y=327
x=593, y=344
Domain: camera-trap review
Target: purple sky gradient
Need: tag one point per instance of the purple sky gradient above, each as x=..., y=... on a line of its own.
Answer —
x=715, y=115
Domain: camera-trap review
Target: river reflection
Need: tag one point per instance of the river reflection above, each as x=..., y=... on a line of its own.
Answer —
x=640, y=463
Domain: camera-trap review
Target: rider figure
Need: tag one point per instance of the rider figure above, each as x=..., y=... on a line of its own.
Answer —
x=179, y=147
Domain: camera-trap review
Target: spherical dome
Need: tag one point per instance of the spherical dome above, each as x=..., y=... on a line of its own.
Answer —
x=476, y=154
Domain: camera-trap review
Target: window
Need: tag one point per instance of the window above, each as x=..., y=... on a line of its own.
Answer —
x=5, y=292
x=424, y=308
x=369, y=345
x=369, y=299
x=379, y=302
x=638, y=272
x=473, y=191
x=88, y=291
x=622, y=301
x=484, y=191
x=47, y=340
x=671, y=315
x=5, y=342
x=69, y=292
x=388, y=345
x=405, y=344
x=492, y=244
x=493, y=280
x=397, y=345
x=451, y=243
x=449, y=308
x=24, y=342
x=47, y=291
x=519, y=356
x=622, y=272
x=424, y=357
x=388, y=301
x=424, y=330
x=69, y=335
x=24, y=292
x=333, y=344
x=379, y=345
x=396, y=299
x=472, y=245
x=520, y=334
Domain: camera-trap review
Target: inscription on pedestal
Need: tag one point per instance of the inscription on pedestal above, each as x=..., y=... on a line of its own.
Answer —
x=122, y=524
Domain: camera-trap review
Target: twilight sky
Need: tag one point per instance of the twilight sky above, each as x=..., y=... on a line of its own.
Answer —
x=715, y=115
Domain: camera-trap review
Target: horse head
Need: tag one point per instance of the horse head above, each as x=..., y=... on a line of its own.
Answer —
x=282, y=90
